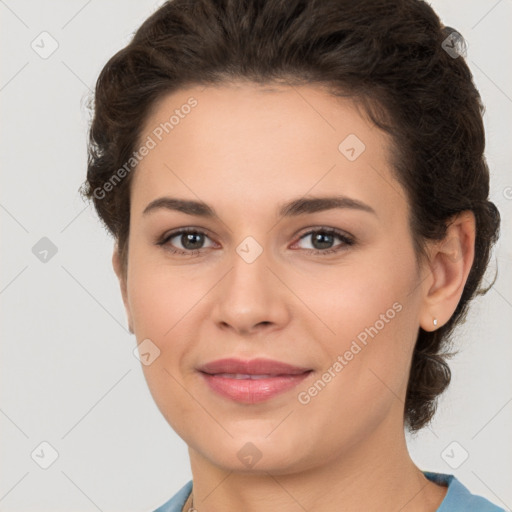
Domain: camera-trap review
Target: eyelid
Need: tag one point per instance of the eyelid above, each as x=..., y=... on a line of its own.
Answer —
x=346, y=238
x=164, y=239
x=326, y=229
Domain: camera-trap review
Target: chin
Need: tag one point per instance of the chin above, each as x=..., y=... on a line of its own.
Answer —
x=257, y=454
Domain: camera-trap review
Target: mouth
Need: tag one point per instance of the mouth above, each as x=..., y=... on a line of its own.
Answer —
x=252, y=381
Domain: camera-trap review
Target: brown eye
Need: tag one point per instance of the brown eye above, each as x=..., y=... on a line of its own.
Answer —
x=191, y=240
x=323, y=240
x=185, y=241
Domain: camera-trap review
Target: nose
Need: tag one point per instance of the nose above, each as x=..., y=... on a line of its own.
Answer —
x=250, y=298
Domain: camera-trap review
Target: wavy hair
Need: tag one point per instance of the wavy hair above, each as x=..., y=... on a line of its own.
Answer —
x=390, y=56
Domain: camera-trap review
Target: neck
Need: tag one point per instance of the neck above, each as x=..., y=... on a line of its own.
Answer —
x=377, y=476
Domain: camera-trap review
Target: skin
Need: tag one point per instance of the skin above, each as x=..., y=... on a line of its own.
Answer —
x=245, y=150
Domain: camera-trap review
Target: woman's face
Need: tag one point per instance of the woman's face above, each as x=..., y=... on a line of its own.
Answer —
x=271, y=270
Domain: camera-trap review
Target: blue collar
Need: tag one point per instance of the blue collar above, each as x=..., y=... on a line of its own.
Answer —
x=457, y=499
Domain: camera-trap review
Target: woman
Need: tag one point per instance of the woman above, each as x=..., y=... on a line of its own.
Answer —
x=299, y=199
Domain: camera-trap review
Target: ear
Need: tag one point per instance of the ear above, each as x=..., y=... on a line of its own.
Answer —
x=116, y=264
x=450, y=261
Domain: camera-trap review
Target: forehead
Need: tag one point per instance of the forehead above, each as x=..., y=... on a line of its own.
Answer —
x=263, y=143
x=241, y=116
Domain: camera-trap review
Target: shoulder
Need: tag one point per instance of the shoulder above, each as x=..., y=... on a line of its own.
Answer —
x=458, y=497
x=175, y=504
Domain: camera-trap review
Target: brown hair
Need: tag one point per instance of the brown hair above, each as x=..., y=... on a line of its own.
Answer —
x=390, y=56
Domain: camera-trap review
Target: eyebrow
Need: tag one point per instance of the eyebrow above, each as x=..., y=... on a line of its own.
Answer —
x=296, y=207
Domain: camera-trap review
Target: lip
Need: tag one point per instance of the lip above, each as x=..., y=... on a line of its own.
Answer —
x=251, y=381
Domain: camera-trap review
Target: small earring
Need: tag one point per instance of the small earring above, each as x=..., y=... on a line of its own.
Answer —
x=435, y=321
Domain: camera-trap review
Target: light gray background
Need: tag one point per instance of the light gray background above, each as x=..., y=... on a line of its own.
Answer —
x=68, y=374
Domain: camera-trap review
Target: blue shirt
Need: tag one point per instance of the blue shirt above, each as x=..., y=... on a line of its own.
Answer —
x=457, y=499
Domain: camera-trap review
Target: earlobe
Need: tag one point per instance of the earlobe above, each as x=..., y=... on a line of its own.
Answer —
x=450, y=263
x=117, y=266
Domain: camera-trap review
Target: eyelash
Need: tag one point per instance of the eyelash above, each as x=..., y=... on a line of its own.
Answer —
x=347, y=241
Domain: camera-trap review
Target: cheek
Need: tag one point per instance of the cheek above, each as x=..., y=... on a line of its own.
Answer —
x=366, y=370
x=372, y=319
x=161, y=302
x=361, y=291
x=160, y=295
